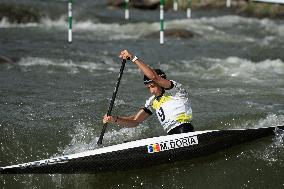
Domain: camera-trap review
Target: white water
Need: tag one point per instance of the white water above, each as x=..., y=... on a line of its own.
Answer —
x=83, y=137
x=231, y=67
x=207, y=26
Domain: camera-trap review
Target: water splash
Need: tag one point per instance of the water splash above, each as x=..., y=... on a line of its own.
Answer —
x=83, y=138
x=279, y=136
x=57, y=179
x=271, y=120
x=273, y=153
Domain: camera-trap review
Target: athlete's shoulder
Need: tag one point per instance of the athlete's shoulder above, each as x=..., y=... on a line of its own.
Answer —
x=149, y=101
x=174, y=83
x=177, y=88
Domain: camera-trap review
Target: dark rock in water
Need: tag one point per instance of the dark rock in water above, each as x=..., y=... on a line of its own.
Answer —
x=146, y=4
x=116, y=3
x=175, y=33
x=141, y=4
x=4, y=59
x=19, y=13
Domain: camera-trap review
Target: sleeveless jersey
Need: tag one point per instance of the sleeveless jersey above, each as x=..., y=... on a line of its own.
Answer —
x=172, y=108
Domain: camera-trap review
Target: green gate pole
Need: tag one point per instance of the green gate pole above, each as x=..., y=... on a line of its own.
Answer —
x=228, y=3
x=162, y=4
x=126, y=8
x=70, y=20
x=175, y=5
x=188, y=11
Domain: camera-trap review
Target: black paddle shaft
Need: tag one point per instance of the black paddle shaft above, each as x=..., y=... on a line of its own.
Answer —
x=112, y=101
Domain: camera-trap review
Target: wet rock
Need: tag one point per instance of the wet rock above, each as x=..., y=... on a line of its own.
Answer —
x=19, y=13
x=174, y=33
x=146, y=4
x=141, y=4
x=116, y=3
x=4, y=59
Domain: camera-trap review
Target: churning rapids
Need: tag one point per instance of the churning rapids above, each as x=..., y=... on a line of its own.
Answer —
x=54, y=94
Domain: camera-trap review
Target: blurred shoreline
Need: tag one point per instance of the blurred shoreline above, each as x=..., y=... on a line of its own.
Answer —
x=32, y=11
x=242, y=7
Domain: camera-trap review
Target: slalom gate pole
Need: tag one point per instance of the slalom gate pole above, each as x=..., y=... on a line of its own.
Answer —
x=188, y=11
x=175, y=5
x=162, y=4
x=228, y=3
x=70, y=20
x=126, y=9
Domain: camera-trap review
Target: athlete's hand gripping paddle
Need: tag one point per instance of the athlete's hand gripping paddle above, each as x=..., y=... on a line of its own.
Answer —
x=112, y=101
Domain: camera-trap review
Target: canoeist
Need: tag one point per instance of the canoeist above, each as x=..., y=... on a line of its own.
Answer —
x=169, y=100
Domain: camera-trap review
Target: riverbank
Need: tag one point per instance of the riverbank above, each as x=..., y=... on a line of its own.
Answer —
x=23, y=13
x=248, y=8
x=243, y=7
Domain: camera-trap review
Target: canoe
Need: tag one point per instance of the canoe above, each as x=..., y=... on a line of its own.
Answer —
x=142, y=153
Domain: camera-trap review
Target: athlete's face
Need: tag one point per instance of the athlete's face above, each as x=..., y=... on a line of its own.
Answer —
x=154, y=89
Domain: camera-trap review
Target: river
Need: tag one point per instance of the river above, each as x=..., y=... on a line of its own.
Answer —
x=54, y=95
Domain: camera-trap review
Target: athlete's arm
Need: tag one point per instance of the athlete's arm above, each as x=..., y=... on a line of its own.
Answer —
x=147, y=70
x=129, y=121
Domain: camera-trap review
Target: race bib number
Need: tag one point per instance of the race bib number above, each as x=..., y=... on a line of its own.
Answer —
x=161, y=115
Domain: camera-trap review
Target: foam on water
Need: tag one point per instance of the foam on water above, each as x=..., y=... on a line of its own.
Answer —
x=241, y=121
x=235, y=67
x=212, y=27
x=272, y=27
x=60, y=23
x=230, y=21
x=4, y=23
x=107, y=30
x=71, y=67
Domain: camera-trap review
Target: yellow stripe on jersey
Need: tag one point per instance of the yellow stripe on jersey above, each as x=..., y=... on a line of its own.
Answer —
x=183, y=118
x=157, y=104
